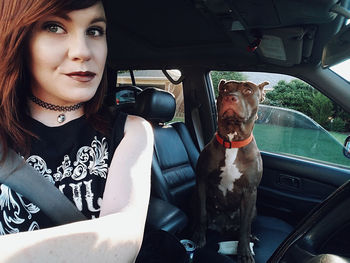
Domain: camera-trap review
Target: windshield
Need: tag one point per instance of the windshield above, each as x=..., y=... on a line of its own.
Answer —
x=342, y=69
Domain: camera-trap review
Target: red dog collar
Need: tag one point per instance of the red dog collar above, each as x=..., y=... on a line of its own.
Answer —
x=233, y=144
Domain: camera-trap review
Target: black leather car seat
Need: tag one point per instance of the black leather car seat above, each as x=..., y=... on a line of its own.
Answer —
x=175, y=155
x=173, y=168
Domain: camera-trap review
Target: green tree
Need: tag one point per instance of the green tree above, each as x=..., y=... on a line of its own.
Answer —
x=321, y=109
x=300, y=96
x=216, y=76
x=295, y=95
x=337, y=124
x=340, y=113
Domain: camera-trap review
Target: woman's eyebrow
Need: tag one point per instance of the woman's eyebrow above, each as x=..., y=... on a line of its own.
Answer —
x=94, y=20
x=98, y=19
x=64, y=16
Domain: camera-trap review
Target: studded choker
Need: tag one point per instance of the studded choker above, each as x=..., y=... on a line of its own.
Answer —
x=63, y=109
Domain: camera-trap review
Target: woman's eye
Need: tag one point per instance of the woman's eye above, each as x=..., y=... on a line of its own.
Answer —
x=95, y=31
x=54, y=28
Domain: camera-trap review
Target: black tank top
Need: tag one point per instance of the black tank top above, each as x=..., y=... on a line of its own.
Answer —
x=75, y=158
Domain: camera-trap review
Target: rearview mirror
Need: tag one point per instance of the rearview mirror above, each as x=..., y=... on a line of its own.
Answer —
x=337, y=49
x=125, y=98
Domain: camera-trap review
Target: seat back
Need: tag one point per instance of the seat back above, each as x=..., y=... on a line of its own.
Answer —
x=175, y=155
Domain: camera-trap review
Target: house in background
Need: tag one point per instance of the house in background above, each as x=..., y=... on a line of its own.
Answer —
x=156, y=78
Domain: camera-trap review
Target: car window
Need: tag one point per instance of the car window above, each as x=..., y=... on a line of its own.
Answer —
x=295, y=119
x=342, y=69
x=156, y=78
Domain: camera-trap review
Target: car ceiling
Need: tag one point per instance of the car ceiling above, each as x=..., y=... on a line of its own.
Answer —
x=218, y=33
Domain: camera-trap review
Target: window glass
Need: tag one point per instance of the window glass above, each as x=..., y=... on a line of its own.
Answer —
x=295, y=119
x=342, y=69
x=156, y=78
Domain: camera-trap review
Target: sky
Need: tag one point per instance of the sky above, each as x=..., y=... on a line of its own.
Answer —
x=343, y=69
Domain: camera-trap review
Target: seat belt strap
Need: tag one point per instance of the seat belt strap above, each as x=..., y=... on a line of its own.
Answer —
x=25, y=180
x=197, y=127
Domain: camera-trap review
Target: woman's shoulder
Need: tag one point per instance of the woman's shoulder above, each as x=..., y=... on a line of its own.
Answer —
x=129, y=125
x=138, y=127
x=127, y=121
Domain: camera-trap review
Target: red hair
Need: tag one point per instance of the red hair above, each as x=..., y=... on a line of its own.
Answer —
x=17, y=18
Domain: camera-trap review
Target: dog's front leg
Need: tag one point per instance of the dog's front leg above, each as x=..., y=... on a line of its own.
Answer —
x=247, y=212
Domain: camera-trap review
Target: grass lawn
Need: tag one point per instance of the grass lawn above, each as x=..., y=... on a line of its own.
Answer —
x=340, y=136
x=176, y=119
x=309, y=143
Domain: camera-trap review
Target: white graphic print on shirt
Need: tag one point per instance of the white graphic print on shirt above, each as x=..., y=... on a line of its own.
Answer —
x=89, y=160
x=12, y=202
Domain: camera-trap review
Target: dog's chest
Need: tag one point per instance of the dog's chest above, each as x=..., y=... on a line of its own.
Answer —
x=229, y=172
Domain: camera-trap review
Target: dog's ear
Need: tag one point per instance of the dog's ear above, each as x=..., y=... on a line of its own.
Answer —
x=262, y=91
x=221, y=84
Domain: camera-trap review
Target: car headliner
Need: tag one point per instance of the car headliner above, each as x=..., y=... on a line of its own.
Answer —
x=215, y=35
x=177, y=33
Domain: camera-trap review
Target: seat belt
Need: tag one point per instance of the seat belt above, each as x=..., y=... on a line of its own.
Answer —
x=197, y=127
x=25, y=180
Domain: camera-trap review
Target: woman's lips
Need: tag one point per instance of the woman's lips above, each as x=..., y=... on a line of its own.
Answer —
x=82, y=76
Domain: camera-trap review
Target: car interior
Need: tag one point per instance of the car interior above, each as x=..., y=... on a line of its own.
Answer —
x=302, y=204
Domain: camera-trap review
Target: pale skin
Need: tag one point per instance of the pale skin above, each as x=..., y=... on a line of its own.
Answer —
x=117, y=235
x=114, y=237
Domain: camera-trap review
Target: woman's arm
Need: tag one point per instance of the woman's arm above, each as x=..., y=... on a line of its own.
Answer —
x=128, y=183
x=114, y=237
x=106, y=239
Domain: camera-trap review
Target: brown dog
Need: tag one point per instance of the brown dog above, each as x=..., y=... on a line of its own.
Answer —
x=229, y=168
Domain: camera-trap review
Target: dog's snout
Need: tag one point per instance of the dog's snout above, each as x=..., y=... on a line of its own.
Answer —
x=231, y=98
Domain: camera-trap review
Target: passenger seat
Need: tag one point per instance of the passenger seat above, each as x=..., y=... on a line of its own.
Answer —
x=175, y=155
x=174, y=162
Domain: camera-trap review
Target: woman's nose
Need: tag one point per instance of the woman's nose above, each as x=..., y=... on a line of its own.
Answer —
x=79, y=49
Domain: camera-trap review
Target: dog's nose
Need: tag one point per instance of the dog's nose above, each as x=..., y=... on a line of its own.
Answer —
x=231, y=98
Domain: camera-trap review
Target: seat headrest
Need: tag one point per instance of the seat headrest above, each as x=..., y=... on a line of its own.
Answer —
x=155, y=105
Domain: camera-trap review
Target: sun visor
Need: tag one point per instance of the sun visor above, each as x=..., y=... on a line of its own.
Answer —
x=286, y=46
x=337, y=49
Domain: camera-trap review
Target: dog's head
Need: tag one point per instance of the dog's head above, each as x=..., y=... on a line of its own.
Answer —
x=238, y=101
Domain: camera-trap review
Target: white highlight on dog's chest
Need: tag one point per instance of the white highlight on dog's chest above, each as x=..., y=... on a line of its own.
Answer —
x=230, y=172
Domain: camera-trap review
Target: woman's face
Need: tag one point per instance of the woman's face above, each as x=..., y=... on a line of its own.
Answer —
x=67, y=55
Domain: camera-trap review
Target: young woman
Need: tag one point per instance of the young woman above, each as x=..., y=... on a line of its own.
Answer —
x=52, y=85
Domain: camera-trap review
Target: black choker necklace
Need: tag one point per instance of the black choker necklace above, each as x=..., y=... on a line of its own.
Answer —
x=62, y=117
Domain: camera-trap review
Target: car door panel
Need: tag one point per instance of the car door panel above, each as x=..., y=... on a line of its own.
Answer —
x=291, y=187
